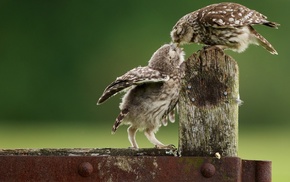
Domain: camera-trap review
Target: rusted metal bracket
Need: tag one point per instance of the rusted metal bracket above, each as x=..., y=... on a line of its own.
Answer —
x=126, y=165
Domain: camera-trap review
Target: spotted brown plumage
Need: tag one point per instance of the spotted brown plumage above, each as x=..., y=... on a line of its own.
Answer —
x=225, y=25
x=151, y=94
x=135, y=76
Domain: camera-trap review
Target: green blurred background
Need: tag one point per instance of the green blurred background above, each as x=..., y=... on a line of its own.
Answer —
x=56, y=58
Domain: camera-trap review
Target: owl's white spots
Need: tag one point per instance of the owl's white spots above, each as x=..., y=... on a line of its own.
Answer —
x=242, y=9
x=221, y=12
x=247, y=16
x=237, y=22
x=220, y=21
x=229, y=10
x=210, y=25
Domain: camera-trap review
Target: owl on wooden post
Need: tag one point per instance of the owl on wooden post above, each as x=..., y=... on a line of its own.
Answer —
x=224, y=25
x=152, y=93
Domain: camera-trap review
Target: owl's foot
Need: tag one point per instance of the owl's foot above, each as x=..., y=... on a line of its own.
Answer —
x=133, y=148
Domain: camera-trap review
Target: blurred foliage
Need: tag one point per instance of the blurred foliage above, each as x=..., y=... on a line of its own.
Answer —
x=56, y=58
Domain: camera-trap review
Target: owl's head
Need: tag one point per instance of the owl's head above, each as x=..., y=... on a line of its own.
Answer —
x=184, y=31
x=167, y=58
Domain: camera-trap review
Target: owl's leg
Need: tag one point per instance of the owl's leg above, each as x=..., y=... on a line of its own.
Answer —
x=131, y=136
x=151, y=137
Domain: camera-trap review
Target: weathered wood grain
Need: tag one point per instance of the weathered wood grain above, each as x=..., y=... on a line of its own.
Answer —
x=209, y=105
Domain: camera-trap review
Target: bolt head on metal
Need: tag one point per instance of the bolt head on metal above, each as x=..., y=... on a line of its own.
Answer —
x=85, y=169
x=207, y=170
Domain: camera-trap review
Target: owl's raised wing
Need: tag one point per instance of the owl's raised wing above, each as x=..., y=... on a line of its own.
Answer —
x=133, y=77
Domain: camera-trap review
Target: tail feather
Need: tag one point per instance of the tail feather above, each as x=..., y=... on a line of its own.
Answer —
x=264, y=43
x=171, y=116
x=113, y=89
x=164, y=121
x=272, y=24
x=133, y=77
x=119, y=120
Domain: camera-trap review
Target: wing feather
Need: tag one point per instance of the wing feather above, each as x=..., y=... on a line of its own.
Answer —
x=230, y=15
x=133, y=77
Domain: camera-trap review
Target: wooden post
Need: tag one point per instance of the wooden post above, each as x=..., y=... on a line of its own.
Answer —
x=209, y=105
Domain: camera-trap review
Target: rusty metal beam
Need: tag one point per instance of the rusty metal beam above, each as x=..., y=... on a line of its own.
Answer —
x=256, y=170
x=85, y=165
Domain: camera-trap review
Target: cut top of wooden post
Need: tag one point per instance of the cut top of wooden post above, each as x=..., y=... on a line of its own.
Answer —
x=208, y=105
